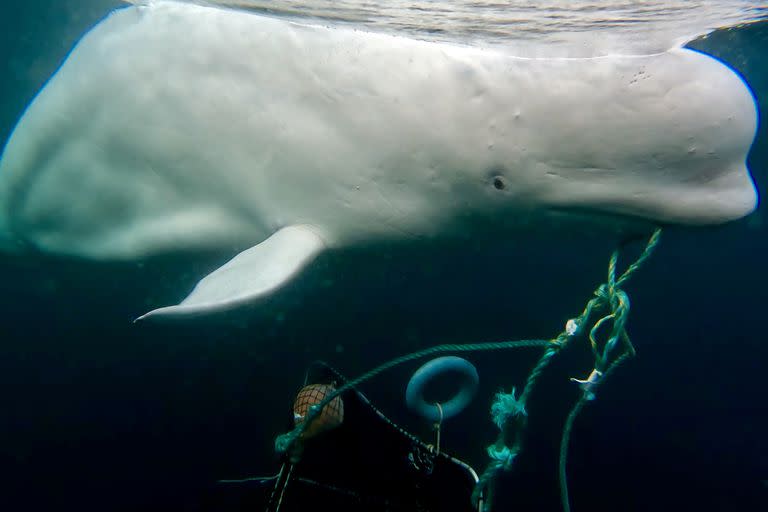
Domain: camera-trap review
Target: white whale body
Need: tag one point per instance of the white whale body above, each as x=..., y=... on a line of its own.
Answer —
x=178, y=127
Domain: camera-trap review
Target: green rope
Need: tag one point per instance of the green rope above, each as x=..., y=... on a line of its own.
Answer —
x=649, y=248
x=508, y=411
x=545, y=359
x=609, y=296
x=506, y=408
x=565, y=440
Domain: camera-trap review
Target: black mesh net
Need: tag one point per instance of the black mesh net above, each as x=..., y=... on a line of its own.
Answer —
x=366, y=463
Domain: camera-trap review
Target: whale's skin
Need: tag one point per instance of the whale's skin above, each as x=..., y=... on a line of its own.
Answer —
x=178, y=127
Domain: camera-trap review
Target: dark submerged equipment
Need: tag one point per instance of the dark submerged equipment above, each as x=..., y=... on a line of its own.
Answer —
x=602, y=323
x=360, y=460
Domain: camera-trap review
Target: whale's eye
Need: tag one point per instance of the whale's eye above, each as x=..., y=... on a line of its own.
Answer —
x=498, y=183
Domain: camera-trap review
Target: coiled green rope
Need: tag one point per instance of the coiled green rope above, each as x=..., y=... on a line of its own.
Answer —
x=608, y=296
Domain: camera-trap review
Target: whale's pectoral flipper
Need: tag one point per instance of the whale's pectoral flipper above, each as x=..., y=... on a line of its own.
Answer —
x=254, y=273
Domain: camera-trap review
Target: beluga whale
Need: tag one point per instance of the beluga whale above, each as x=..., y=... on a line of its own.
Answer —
x=175, y=128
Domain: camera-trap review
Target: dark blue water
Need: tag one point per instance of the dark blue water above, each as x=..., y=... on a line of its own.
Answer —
x=100, y=414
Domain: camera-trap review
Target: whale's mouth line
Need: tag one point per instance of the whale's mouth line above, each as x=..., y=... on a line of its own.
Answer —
x=568, y=215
